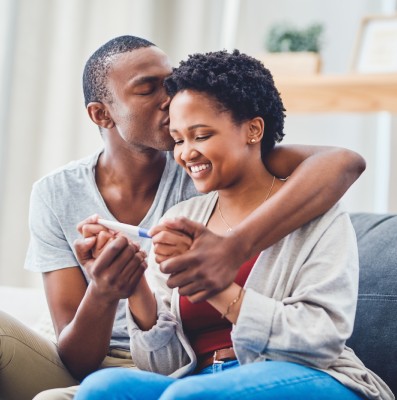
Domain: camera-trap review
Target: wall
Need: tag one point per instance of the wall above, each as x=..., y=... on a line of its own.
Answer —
x=45, y=43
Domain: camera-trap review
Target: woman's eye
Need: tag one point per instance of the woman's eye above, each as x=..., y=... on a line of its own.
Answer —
x=178, y=142
x=202, y=137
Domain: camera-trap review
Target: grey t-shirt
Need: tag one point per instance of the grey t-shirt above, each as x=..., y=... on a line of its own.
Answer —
x=63, y=198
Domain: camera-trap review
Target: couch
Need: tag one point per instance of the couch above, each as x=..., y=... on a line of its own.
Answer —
x=374, y=338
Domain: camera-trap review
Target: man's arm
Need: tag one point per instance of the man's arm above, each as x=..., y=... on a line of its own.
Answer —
x=318, y=177
x=83, y=316
x=83, y=321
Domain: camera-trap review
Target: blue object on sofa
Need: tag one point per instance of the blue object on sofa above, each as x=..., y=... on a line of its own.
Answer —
x=374, y=338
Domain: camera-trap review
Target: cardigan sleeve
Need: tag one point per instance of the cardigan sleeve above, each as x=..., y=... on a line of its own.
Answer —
x=311, y=317
x=164, y=348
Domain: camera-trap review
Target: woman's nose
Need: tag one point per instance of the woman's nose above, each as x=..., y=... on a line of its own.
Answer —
x=188, y=153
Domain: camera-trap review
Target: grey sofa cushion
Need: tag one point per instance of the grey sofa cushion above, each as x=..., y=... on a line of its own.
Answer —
x=374, y=338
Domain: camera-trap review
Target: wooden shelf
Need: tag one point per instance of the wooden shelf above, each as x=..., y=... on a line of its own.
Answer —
x=339, y=93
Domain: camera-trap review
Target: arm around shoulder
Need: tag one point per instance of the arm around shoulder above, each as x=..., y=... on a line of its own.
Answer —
x=320, y=177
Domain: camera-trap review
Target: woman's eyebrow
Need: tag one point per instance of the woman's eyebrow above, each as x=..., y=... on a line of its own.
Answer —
x=192, y=127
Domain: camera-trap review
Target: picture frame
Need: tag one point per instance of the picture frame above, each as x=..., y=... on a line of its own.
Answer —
x=376, y=45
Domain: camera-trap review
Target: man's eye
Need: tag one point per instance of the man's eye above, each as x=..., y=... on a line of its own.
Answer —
x=144, y=90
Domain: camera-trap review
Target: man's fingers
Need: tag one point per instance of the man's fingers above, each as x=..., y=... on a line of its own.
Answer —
x=190, y=289
x=175, y=264
x=185, y=225
x=200, y=296
x=114, y=254
x=133, y=270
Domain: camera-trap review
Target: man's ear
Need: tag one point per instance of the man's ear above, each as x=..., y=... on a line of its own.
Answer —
x=256, y=127
x=99, y=114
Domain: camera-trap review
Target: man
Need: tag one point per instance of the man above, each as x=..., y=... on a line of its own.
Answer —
x=135, y=181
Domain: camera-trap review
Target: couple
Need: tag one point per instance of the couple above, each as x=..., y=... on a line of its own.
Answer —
x=133, y=180
x=279, y=330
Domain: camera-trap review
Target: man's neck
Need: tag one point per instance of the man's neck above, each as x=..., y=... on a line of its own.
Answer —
x=128, y=182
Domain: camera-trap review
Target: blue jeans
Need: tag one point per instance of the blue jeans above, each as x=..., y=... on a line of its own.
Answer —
x=261, y=380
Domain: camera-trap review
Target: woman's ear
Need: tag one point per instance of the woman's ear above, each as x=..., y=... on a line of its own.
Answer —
x=256, y=127
x=99, y=114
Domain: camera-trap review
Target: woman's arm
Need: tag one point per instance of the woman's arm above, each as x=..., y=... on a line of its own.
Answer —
x=318, y=178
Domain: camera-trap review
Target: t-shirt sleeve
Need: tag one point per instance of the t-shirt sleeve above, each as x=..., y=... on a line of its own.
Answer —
x=48, y=249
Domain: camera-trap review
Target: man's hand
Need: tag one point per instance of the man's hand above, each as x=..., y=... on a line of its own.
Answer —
x=208, y=267
x=117, y=269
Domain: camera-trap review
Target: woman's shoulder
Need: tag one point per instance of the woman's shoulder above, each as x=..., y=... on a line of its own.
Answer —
x=197, y=208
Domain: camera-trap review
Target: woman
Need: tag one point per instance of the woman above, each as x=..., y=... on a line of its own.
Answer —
x=279, y=330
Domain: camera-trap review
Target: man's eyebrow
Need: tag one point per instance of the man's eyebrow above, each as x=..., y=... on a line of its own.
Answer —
x=192, y=127
x=144, y=79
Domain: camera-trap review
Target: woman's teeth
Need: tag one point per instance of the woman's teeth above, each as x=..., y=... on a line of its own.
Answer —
x=198, y=168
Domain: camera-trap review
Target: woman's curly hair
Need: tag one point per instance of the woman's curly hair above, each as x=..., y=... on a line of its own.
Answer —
x=240, y=84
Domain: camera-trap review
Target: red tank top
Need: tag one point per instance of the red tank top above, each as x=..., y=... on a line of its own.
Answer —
x=202, y=323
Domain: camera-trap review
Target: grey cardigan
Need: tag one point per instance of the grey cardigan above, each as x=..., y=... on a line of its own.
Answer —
x=299, y=305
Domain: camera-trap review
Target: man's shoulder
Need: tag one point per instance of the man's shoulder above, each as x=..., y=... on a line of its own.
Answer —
x=71, y=172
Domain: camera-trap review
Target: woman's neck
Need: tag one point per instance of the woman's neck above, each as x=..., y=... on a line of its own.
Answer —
x=237, y=202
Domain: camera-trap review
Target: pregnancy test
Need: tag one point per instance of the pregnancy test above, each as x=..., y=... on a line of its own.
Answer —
x=125, y=228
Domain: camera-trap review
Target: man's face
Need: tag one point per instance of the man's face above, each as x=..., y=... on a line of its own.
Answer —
x=139, y=104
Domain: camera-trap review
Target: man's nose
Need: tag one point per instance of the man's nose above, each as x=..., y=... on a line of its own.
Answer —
x=166, y=102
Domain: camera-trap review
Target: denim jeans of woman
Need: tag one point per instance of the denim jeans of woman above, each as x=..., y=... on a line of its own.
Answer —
x=228, y=380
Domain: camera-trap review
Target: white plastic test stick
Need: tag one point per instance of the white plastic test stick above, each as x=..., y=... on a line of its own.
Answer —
x=125, y=228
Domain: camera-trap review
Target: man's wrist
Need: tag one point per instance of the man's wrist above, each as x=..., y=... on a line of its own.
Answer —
x=100, y=298
x=240, y=244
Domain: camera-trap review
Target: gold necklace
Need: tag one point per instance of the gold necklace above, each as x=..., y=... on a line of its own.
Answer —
x=229, y=228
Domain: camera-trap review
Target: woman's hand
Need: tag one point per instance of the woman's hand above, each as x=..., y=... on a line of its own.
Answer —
x=90, y=228
x=169, y=242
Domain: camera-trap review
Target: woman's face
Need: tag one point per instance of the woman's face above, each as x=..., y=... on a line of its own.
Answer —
x=212, y=149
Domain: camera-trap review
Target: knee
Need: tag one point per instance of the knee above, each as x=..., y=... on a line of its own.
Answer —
x=56, y=394
x=7, y=322
x=11, y=327
x=187, y=388
x=101, y=384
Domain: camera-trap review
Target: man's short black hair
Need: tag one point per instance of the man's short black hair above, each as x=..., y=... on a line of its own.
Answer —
x=97, y=66
x=240, y=84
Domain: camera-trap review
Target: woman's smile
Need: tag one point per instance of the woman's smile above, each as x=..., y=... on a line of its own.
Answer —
x=199, y=169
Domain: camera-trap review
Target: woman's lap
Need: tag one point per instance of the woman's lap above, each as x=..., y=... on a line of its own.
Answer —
x=262, y=380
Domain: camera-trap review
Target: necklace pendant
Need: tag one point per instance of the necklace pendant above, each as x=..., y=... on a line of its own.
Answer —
x=229, y=229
